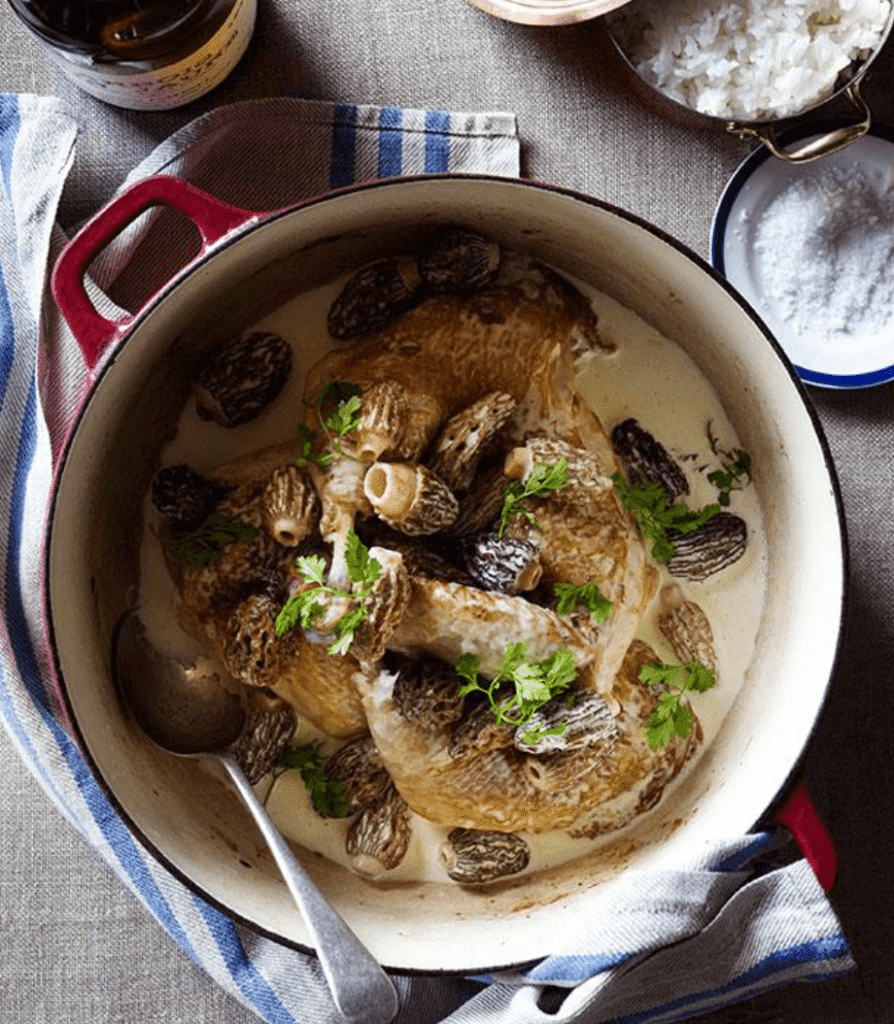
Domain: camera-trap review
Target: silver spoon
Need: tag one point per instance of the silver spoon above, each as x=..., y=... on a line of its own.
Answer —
x=198, y=717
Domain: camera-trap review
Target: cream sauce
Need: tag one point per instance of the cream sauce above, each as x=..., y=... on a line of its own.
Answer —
x=649, y=378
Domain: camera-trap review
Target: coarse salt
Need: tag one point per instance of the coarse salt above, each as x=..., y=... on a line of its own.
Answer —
x=824, y=254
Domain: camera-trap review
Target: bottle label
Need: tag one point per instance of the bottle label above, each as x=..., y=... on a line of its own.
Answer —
x=174, y=84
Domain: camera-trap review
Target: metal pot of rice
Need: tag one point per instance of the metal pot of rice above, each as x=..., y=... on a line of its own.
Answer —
x=753, y=67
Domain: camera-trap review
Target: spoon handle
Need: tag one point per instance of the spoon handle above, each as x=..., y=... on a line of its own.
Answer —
x=361, y=989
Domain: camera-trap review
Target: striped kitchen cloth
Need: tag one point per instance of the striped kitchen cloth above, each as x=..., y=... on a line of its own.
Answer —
x=746, y=916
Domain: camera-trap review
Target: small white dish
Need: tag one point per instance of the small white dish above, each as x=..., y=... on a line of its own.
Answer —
x=547, y=12
x=850, y=360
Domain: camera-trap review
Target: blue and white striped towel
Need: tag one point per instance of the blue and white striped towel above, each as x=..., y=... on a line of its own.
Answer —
x=745, y=918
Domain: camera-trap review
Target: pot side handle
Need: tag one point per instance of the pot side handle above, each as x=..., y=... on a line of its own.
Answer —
x=95, y=333
x=800, y=817
x=831, y=142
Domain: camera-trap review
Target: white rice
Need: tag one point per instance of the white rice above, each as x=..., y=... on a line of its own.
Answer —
x=748, y=59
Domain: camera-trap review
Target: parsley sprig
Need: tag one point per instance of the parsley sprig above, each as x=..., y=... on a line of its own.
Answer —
x=305, y=607
x=588, y=594
x=203, y=544
x=670, y=715
x=344, y=418
x=735, y=465
x=534, y=683
x=327, y=795
x=657, y=518
x=542, y=479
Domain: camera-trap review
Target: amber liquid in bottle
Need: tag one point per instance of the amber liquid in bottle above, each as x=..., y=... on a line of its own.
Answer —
x=142, y=54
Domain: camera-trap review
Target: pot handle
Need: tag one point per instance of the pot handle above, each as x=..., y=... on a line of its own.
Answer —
x=95, y=333
x=831, y=142
x=800, y=817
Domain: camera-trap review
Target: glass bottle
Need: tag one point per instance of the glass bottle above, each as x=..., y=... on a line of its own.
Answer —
x=142, y=54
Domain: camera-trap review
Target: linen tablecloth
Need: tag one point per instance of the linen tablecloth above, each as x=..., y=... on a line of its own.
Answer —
x=745, y=916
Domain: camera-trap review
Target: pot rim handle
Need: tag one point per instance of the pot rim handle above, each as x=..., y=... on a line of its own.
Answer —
x=831, y=142
x=799, y=815
x=213, y=218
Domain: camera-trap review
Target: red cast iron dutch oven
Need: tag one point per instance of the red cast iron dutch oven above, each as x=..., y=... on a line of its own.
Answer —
x=248, y=265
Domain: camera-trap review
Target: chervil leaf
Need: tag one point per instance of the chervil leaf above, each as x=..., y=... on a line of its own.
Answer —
x=559, y=669
x=311, y=609
x=341, y=644
x=289, y=616
x=735, y=465
x=682, y=721
x=530, y=685
x=308, y=439
x=657, y=519
x=700, y=678
x=535, y=735
x=545, y=477
x=466, y=666
x=308, y=605
x=670, y=715
x=513, y=656
x=588, y=594
x=534, y=683
x=345, y=418
x=203, y=544
x=312, y=568
x=658, y=731
x=361, y=568
x=327, y=795
x=542, y=479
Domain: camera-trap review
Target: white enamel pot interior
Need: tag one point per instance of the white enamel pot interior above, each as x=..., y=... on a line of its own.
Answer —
x=190, y=820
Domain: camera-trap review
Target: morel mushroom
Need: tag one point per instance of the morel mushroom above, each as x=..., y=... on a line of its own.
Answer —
x=183, y=496
x=585, y=716
x=476, y=857
x=719, y=543
x=385, y=604
x=383, y=417
x=269, y=727
x=250, y=643
x=242, y=378
x=458, y=260
x=478, y=733
x=289, y=505
x=584, y=468
x=377, y=841
x=465, y=437
x=647, y=460
x=503, y=564
x=481, y=506
x=410, y=497
x=427, y=691
x=373, y=298
x=687, y=628
x=359, y=768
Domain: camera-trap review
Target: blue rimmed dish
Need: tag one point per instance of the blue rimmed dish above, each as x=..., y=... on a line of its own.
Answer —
x=858, y=362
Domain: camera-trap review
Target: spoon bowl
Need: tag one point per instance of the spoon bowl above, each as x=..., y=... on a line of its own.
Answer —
x=191, y=713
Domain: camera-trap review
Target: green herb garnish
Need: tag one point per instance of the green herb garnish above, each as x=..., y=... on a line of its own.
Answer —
x=658, y=520
x=305, y=607
x=203, y=544
x=734, y=464
x=534, y=682
x=588, y=594
x=327, y=795
x=670, y=715
x=542, y=479
x=344, y=418
x=309, y=454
